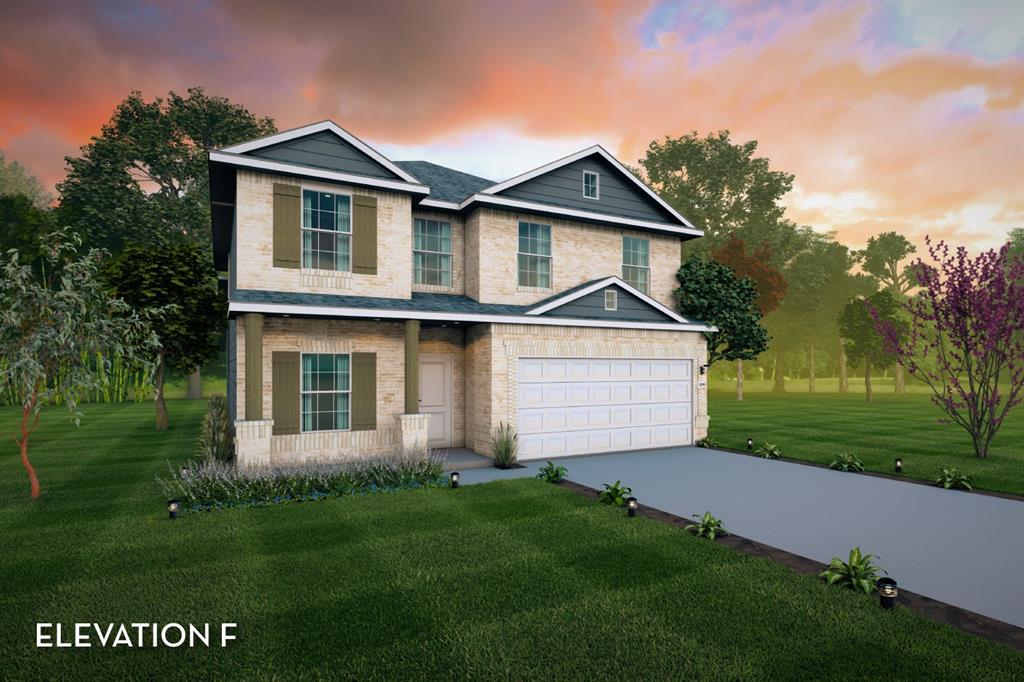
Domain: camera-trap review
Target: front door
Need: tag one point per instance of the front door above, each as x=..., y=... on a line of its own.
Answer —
x=436, y=398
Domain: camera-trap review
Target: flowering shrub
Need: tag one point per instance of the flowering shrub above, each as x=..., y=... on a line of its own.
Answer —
x=213, y=484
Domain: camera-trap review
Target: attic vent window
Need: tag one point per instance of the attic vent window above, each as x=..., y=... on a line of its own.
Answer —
x=611, y=299
x=591, y=185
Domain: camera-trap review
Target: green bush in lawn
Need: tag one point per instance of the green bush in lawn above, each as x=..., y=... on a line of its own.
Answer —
x=858, y=574
x=214, y=484
x=846, y=461
x=709, y=441
x=769, y=451
x=614, y=494
x=216, y=442
x=953, y=478
x=707, y=526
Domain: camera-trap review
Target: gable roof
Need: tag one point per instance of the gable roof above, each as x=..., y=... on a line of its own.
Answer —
x=583, y=153
x=313, y=128
x=577, y=292
x=446, y=184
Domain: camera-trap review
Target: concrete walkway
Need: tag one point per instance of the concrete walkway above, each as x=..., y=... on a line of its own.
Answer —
x=957, y=547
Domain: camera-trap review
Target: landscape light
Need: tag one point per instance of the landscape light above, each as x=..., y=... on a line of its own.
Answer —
x=631, y=506
x=173, y=507
x=750, y=444
x=184, y=472
x=454, y=479
x=898, y=466
x=887, y=592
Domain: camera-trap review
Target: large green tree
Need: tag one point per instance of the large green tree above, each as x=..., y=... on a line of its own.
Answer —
x=712, y=293
x=723, y=188
x=23, y=226
x=885, y=259
x=145, y=180
x=54, y=325
x=16, y=180
x=179, y=280
x=863, y=342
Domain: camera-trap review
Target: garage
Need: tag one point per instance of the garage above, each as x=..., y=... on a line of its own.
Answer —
x=573, y=406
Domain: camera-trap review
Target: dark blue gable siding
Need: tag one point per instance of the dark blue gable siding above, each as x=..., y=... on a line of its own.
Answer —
x=564, y=187
x=591, y=306
x=327, y=151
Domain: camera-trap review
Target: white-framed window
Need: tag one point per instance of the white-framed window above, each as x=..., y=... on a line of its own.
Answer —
x=326, y=230
x=636, y=262
x=326, y=391
x=611, y=299
x=534, y=255
x=591, y=185
x=432, y=252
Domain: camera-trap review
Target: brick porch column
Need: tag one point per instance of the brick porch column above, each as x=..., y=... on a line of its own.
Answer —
x=252, y=435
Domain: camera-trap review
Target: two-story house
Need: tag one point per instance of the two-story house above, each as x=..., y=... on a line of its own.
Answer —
x=378, y=305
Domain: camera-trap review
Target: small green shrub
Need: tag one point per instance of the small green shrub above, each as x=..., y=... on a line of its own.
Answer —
x=552, y=473
x=216, y=442
x=614, y=494
x=709, y=442
x=953, y=478
x=858, y=574
x=213, y=484
x=505, y=442
x=769, y=451
x=846, y=461
x=707, y=526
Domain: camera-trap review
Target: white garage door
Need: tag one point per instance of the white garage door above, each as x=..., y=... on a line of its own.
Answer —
x=577, y=406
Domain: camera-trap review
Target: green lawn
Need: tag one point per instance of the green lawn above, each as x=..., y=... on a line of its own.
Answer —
x=518, y=579
x=815, y=427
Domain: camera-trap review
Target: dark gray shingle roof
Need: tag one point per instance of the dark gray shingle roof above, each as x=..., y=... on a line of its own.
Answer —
x=420, y=301
x=446, y=184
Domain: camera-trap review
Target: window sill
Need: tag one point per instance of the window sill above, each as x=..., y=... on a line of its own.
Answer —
x=438, y=288
x=306, y=433
x=535, y=290
x=326, y=273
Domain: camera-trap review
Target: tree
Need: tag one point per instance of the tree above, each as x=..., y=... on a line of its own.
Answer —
x=145, y=178
x=51, y=328
x=23, y=226
x=768, y=281
x=722, y=188
x=1016, y=241
x=966, y=337
x=863, y=344
x=15, y=180
x=882, y=259
x=180, y=280
x=712, y=293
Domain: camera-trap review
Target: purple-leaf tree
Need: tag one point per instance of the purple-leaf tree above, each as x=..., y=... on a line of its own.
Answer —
x=966, y=336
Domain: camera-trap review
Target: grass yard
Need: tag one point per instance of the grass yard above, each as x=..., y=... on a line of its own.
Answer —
x=509, y=580
x=816, y=427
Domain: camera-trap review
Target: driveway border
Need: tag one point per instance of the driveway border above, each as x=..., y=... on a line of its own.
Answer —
x=940, y=612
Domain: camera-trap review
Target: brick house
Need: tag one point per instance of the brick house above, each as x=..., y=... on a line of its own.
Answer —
x=378, y=305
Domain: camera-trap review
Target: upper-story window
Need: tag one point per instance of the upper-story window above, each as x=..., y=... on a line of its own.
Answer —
x=636, y=262
x=326, y=391
x=534, y=255
x=591, y=185
x=432, y=252
x=326, y=230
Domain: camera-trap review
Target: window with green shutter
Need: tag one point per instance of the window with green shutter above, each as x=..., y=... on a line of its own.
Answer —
x=364, y=235
x=326, y=231
x=326, y=391
x=286, y=226
x=364, y=391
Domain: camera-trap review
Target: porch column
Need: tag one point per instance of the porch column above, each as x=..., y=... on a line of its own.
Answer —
x=412, y=366
x=253, y=367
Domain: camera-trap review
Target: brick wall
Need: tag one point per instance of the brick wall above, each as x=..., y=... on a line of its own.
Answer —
x=580, y=253
x=255, y=243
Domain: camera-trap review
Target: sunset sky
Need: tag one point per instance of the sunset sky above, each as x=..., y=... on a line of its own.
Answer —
x=904, y=115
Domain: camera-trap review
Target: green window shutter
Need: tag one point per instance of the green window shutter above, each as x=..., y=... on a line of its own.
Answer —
x=364, y=235
x=364, y=391
x=287, y=225
x=285, y=391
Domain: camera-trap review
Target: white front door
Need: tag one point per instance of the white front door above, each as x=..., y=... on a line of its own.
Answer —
x=436, y=398
x=573, y=406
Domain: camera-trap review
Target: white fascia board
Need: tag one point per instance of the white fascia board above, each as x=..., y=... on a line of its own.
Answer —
x=437, y=203
x=330, y=311
x=318, y=127
x=583, y=153
x=533, y=207
x=306, y=171
x=601, y=284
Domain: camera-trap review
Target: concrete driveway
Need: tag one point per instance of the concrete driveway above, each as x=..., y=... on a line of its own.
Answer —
x=961, y=548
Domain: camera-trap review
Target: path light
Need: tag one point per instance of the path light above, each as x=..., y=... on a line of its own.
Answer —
x=454, y=479
x=173, y=507
x=898, y=465
x=887, y=592
x=631, y=506
x=184, y=472
x=750, y=444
